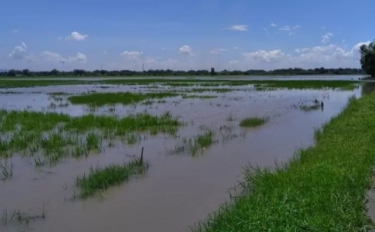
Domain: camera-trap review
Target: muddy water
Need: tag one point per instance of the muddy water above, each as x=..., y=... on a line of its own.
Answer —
x=178, y=190
x=252, y=77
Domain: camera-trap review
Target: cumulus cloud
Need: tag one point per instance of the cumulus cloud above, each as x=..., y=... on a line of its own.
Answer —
x=330, y=56
x=326, y=37
x=56, y=57
x=52, y=56
x=273, y=24
x=237, y=28
x=19, y=52
x=186, y=50
x=262, y=55
x=79, y=57
x=76, y=36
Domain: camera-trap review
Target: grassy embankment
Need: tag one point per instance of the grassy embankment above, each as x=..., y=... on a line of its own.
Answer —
x=322, y=188
x=299, y=84
x=49, y=137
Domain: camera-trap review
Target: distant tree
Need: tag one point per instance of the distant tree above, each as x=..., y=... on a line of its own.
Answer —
x=26, y=72
x=368, y=58
x=212, y=72
x=12, y=73
x=54, y=72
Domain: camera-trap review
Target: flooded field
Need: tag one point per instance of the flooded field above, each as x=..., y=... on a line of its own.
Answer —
x=194, y=143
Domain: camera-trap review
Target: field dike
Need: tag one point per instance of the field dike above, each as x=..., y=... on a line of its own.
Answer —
x=323, y=188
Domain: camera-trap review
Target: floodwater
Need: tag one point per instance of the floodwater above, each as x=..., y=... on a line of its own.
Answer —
x=278, y=77
x=178, y=189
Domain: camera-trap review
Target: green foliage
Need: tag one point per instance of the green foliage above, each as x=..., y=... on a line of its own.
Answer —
x=368, y=58
x=322, y=188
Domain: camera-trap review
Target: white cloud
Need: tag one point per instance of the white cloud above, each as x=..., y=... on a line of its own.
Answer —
x=15, y=30
x=326, y=37
x=289, y=28
x=217, y=51
x=262, y=55
x=131, y=53
x=186, y=50
x=265, y=29
x=323, y=27
x=19, y=52
x=105, y=52
x=273, y=24
x=79, y=57
x=56, y=57
x=329, y=56
x=235, y=48
x=52, y=56
x=234, y=62
x=76, y=36
x=237, y=28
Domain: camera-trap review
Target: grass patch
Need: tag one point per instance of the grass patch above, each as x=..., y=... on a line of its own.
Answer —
x=310, y=107
x=308, y=84
x=322, y=188
x=253, y=122
x=193, y=145
x=100, y=99
x=100, y=179
x=198, y=96
x=50, y=137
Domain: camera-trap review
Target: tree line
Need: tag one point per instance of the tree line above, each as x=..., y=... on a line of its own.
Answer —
x=169, y=72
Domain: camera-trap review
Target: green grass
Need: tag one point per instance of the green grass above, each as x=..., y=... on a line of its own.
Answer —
x=310, y=107
x=193, y=145
x=253, y=122
x=308, y=84
x=100, y=179
x=100, y=99
x=58, y=136
x=322, y=188
x=198, y=96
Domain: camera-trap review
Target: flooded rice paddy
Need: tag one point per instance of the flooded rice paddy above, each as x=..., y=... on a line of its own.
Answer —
x=195, y=155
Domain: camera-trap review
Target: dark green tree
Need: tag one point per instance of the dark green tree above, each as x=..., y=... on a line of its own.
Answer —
x=368, y=58
x=12, y=73
x=212, y=72
x=26, y=72
x=54, y=72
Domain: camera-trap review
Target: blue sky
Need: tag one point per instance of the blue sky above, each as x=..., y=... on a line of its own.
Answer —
x=268, y=34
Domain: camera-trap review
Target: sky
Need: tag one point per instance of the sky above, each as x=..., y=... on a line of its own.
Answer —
x=182, y=35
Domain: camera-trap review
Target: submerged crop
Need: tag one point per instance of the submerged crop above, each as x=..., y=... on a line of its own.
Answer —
x=100, y=179
x=54, y=136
